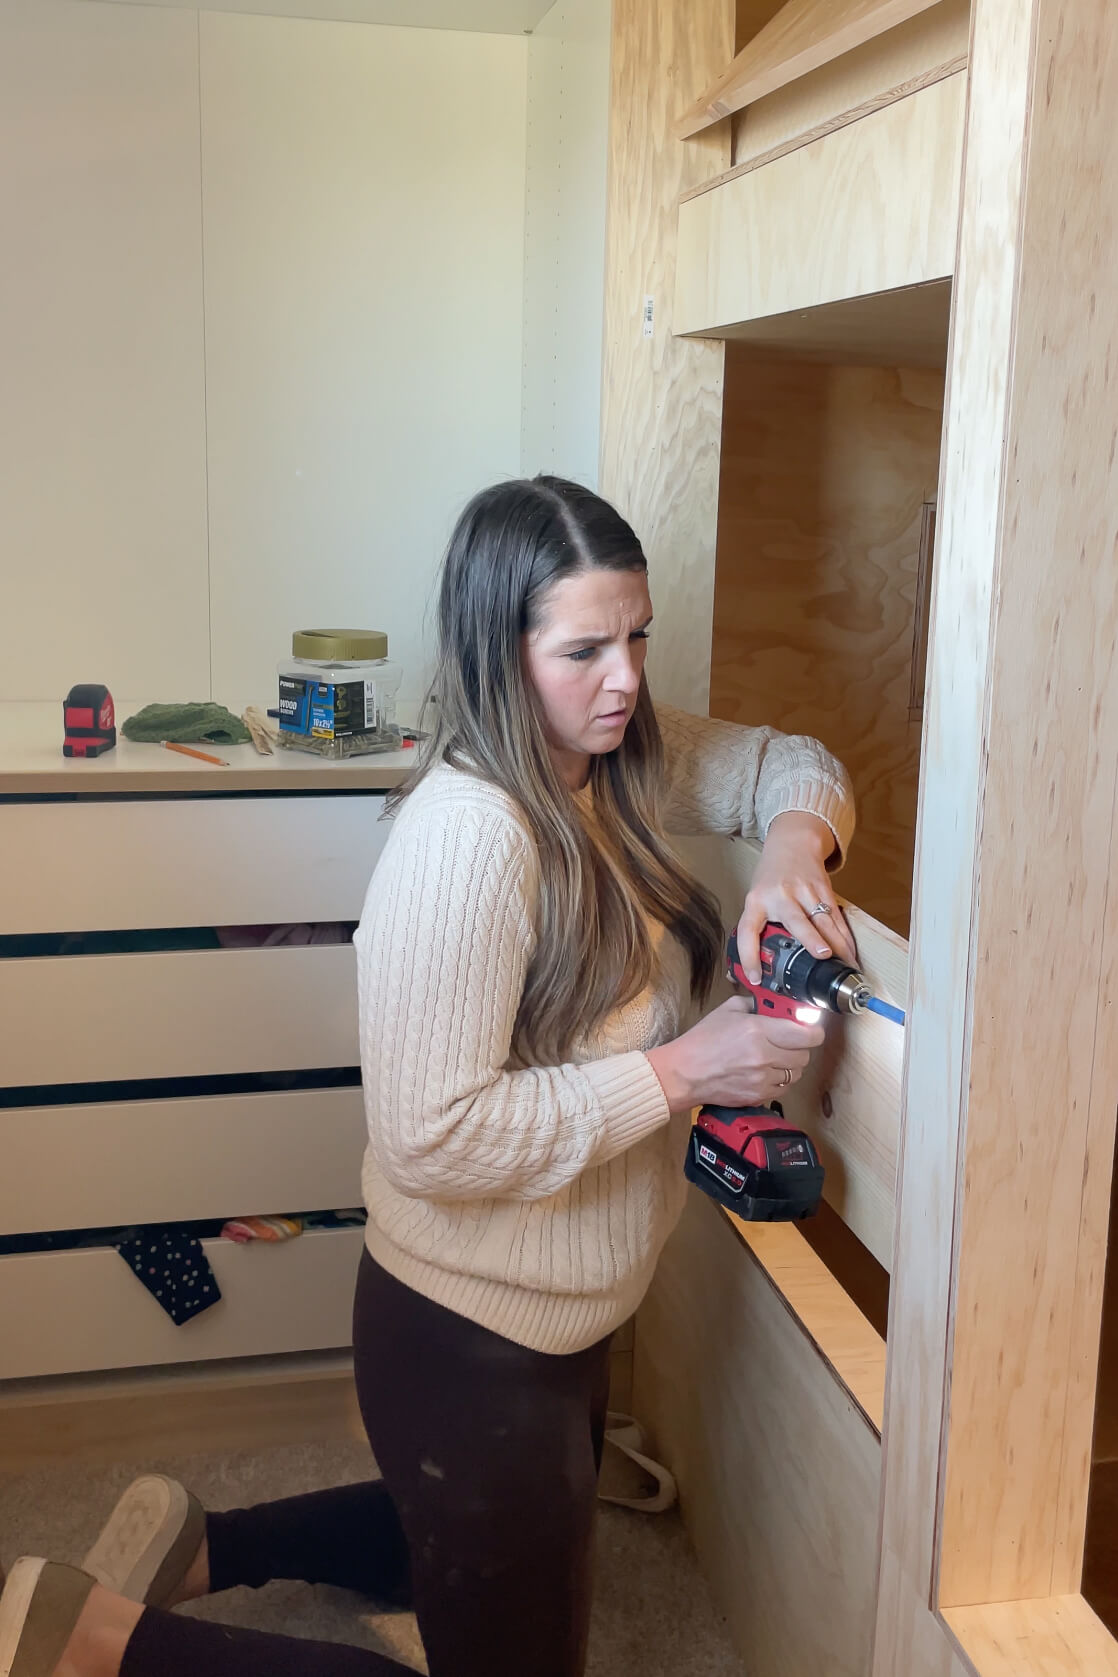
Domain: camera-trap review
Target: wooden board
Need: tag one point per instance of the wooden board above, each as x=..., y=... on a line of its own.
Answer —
x=662, y=398
x=905, y=328
x=869, y=208
x=95, y=865
x=929, y=47
x=850, y=1099
x=778, y=1467
x=803, y=35
x=825, y=473
x=1012, y=1074
x=1056, y=1637
x=823, y=1311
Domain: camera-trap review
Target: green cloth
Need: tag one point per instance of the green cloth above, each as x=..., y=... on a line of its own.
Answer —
x=183, y=723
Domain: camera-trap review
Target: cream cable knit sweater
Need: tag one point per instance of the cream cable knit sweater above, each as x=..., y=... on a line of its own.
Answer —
x=536, y=1200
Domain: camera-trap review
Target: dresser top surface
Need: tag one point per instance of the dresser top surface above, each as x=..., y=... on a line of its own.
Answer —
x=31, y=763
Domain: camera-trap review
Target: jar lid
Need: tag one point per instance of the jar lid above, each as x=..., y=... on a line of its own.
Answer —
x=351, y=646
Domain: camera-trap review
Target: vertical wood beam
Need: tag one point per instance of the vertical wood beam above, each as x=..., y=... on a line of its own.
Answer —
x=1012, y=1073
x=662, y=396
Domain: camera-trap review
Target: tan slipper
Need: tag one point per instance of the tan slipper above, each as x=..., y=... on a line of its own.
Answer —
x=41, y=1604
x=149, y=1541
x=626, y=1440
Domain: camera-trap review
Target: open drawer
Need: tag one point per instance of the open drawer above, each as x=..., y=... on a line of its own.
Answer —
x=69, y=1312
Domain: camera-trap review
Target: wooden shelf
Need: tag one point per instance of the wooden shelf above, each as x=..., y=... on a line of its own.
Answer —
x=803, y=36
x=866, y=211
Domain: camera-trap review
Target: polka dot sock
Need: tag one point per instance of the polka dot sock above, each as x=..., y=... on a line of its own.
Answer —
x=174, y=1269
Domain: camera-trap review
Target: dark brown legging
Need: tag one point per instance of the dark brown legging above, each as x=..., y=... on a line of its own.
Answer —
x=484, y=1520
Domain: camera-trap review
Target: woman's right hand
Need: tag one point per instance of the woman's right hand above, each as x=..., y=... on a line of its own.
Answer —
x=733, y=1057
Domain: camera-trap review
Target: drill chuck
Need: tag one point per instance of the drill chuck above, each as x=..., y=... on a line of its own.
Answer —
x=794, y=974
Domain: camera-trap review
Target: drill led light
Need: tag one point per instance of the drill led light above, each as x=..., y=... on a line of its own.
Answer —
x=808, y=1015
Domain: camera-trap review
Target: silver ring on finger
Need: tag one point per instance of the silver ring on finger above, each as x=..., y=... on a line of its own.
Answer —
x=785, y=1078
x=820, y=908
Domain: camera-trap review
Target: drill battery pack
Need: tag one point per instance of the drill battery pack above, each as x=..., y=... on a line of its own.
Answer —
x=775, y=1177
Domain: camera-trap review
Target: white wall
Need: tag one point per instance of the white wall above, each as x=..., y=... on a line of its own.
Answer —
x=102, y=414
x=349, y=202
x=364, y=192
x=564, y=254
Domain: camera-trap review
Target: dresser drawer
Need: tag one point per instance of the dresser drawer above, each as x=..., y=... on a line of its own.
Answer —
x=120, y=865
x=191, y=1013
x=65, y=1312
x=176, y=1161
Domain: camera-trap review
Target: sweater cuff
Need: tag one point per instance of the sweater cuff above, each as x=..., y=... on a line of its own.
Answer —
x=830, y=803
x=633, y=1103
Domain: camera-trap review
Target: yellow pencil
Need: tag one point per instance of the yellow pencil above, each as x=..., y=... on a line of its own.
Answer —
x=189, y=751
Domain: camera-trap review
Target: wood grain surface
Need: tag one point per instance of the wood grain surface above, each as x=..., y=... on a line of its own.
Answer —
x=803, y=35
x=871, y=207
x=825, y=474
x=924, y=50
x=778, y=1466
x=1012, y=1073
x=662, y=396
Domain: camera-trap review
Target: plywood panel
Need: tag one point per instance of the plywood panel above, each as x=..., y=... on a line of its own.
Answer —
x=850, y=1098
x=930, y=46
x=1013, y=1054
x=905, y=328
x=825, y=472
x=363, y=321
x=99, y=1018
x=102, y=402
x=92, y=865
x=172, y=1161
x=869, y=208
x=803, y=35
x=662, y=398
x=1057, y=1637
x=778, y=1467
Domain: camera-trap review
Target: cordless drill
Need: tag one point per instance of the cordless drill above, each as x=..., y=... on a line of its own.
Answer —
x=751, y=1158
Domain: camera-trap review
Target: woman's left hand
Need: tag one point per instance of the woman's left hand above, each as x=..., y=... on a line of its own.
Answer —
x=790, y=883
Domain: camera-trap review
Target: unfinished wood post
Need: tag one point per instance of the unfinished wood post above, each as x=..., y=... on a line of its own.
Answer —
x=1012, y=1072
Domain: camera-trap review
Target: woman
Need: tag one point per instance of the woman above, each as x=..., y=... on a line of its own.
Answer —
x=529, y=957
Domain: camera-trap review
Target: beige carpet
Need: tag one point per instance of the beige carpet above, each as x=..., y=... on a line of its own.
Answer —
x=653, y=1614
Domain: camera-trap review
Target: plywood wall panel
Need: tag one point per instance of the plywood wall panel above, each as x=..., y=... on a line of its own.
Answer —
x=922, y=51
x=662, y=397
x=825, y=473
x=871, y=207
x=778, y=1466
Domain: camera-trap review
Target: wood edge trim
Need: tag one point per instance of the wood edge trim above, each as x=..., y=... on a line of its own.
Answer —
x=873, y=1420
x=842, y=119
x=737, y=87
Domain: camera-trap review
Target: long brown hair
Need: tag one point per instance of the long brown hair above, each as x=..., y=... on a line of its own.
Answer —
x=598, y=882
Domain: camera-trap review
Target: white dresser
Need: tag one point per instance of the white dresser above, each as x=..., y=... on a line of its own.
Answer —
x=147, y=840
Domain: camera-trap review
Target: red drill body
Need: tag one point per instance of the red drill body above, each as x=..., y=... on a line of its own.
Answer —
x=751, y=1158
